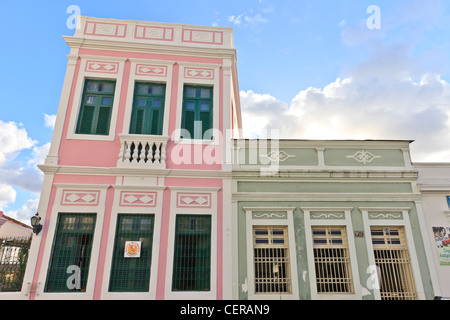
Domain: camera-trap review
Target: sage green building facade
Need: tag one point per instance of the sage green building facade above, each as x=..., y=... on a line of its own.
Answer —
x=328, y=220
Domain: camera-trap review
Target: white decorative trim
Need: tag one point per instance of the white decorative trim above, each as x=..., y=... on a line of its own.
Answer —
x=363, y=157
x=269, y=215
x=278, y=156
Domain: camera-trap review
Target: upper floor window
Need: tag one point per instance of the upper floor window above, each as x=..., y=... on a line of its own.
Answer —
x=96, y=107
x=148, y=109
x=197, y=111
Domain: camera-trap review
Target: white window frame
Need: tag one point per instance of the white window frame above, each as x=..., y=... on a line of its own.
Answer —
x=117, y=209
x=134, y=77
x=287, y=222
x=83, y=76
x=215, y=84
x=174, y=211
x=331, y=216
x=58, y=208
x=392, y=218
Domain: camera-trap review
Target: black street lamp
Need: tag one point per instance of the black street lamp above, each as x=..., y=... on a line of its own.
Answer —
x=37, y=227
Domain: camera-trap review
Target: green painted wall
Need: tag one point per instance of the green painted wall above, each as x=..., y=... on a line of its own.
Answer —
x=300, y=239
x=324, y=187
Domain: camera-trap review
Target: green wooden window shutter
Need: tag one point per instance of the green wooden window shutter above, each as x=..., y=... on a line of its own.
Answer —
x=72, y=246
x=192, y=253
x=132, y=274
x=96, y=108
x=148, y=109
x=197, y=111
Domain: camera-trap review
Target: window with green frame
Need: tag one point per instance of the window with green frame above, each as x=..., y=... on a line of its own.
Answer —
x=132, y=274
x=197, y=111
x=148, y=108
x=192, y=253
x=96, y=107
x=72, y=246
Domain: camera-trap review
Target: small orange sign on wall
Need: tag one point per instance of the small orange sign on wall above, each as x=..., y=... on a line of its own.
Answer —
x=133, y=249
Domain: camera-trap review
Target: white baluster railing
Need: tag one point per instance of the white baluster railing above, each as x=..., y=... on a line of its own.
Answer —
x=142, y=151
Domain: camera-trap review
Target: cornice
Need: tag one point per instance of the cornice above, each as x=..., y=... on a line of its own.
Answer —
x=337, y=197
x=110, y=171
x=128, y=46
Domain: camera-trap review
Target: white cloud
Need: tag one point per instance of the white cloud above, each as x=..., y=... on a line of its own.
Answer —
x=7, y=195
x=362, y=107
x=24, y=214
x=39, y=154
x=49, y=120
x=19, y=172
x=395, y=92
x=249, y=20
x=13, y=139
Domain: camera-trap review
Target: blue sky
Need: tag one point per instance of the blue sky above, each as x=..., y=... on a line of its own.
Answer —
x=311, y=68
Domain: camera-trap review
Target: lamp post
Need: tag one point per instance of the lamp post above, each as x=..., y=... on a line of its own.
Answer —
x=35, y=223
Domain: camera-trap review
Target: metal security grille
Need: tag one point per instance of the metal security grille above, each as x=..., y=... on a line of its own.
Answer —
x=132, y=274
x=72, y=247
x=271, y=260
x=13, y=260
x=394, y=263
x=331, y=259
x=192, y=253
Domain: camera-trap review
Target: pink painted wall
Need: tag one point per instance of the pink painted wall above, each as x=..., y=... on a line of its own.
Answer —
x=105, y=153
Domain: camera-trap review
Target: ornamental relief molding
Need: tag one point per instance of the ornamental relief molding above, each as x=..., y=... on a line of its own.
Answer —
x=151, y=70
x=138, y=199
x=278, y=156
x=327, y=215
x=269, y=215
x=363, y=157
x=102, y=66
x=194, y=200
x=385, y=215
x=80, y=198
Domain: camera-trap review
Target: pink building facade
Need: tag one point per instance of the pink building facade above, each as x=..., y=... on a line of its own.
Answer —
x=137, y=159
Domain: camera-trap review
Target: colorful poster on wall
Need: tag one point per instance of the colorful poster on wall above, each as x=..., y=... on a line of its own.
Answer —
x=448, y=201
x=442, y=238
x=132, y=249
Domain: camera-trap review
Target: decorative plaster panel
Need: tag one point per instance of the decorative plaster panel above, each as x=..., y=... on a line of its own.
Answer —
x=106, y=29
x=138, y=199
x=151, y=70
x=194, y=200
x=103, y=67
x=199, y=73
x=202, y=36
x=154, y=33
x=80, y=198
